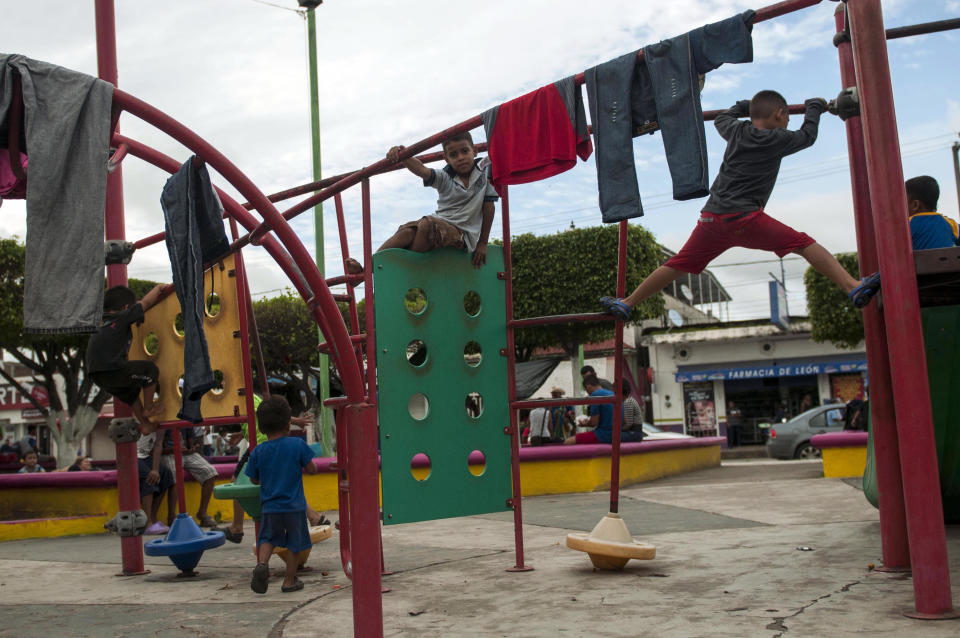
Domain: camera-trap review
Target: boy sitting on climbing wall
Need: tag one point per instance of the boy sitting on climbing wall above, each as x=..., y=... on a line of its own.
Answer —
x=734, y=216
x=108, y=348
x=465, y=207
x=276, y=466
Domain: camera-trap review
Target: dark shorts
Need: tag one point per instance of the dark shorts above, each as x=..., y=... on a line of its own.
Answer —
x=285, y=529
x=243, y=461
x=714, y=234
x=125, y=384
x=442, y=233
x=166, y=478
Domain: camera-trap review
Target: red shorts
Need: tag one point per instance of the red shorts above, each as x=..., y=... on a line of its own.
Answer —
x=587, y=437
x=714, y=234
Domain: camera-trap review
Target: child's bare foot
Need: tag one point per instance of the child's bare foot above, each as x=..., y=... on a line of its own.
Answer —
x=147, y=426
x=352, y=266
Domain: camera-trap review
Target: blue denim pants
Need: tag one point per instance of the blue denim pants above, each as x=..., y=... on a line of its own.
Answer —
x=195, y=236
x=624, y=95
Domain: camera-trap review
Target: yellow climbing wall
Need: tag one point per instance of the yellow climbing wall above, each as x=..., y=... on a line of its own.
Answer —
x=160, y=339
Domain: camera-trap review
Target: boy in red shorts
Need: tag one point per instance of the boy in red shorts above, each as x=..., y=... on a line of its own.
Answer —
x=733, y=215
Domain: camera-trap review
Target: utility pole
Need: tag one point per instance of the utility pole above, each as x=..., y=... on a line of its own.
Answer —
x=956, y=169
x=326, y=415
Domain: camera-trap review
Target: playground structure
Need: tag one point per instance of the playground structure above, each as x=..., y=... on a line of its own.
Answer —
x=905, y=451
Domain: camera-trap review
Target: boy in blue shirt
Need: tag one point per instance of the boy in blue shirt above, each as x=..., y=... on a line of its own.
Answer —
x=928, y=228
x=276, y=465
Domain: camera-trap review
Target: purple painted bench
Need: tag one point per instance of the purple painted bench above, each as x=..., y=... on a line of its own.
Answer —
x=109, y=477
x=527, y=454
x=839, y=439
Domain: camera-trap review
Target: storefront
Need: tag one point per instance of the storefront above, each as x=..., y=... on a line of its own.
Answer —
x=765, y=393
x=767, y=373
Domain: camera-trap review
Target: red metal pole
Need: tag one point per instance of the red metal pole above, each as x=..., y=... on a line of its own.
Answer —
x=893, y=522
x=128, y=486
x=369, y=317
x=618, y=372
x=918, y=455
x=178, y=469
x=514, y=430
x=244, y=311
x=364, y=520
x=343, y=489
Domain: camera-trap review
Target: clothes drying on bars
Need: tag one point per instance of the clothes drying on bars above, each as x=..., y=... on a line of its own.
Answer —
x=65, y=131
x=537, y=135
x=628, y=97
x=193, y=216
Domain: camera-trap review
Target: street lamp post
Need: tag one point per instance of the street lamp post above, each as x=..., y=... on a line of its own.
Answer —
x=326, y=416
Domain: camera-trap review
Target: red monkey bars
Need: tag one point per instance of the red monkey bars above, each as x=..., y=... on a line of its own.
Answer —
x=882, y=239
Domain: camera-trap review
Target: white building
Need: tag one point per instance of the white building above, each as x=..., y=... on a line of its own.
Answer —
x=768, y=372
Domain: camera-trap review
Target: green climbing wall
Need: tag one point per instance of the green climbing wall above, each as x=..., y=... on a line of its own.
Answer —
x=429, y=370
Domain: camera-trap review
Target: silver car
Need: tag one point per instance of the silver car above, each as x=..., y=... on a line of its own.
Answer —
x=791, y=440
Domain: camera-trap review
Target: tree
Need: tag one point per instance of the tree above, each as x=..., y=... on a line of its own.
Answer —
x=567, y=273
x=288, y=339
x=832, y=317
x=57, y=362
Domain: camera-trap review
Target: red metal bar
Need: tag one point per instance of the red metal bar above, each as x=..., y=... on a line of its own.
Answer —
x=618, y=372
x=908, y=365
x=128, y=485
x=352, y=280
x=212, y=421
x=365, y=519
x=343, y=486
x=244, y=312
x=545, y=321
x=514, y=429
x=178, y=471
x=360, y=338
x=369, y=310
x=782, y=8
x=326, y=313
x=116, y=158
x=893, y=523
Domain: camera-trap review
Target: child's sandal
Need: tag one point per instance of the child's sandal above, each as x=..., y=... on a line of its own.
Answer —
x=616, y=307
x=862, y=294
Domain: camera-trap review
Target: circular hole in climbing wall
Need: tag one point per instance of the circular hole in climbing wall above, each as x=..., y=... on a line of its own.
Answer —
x=151, y=344
x=218, y=381
x=472, y=354
x=180, y=386
x=474, y=405
x=415, y=301
x=212, y=305
x=471, y=303
x=178, y=324
x=420, y=466
x=418, y=406
x=416, y=353
x=477, y=463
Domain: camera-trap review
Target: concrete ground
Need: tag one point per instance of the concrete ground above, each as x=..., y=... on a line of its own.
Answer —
x=728, y=563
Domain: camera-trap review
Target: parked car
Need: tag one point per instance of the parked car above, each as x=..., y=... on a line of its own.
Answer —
x=791, y=440
x=653, y=433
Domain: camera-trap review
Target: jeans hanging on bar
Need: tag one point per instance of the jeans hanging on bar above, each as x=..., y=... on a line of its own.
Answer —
x=674, y=68
x=194, y=234
x=624, y=96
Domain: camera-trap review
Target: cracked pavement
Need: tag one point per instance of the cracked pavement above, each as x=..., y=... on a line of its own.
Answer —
x=727, y=564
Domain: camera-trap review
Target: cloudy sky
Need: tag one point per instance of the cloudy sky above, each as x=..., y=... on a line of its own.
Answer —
x=393, y=72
